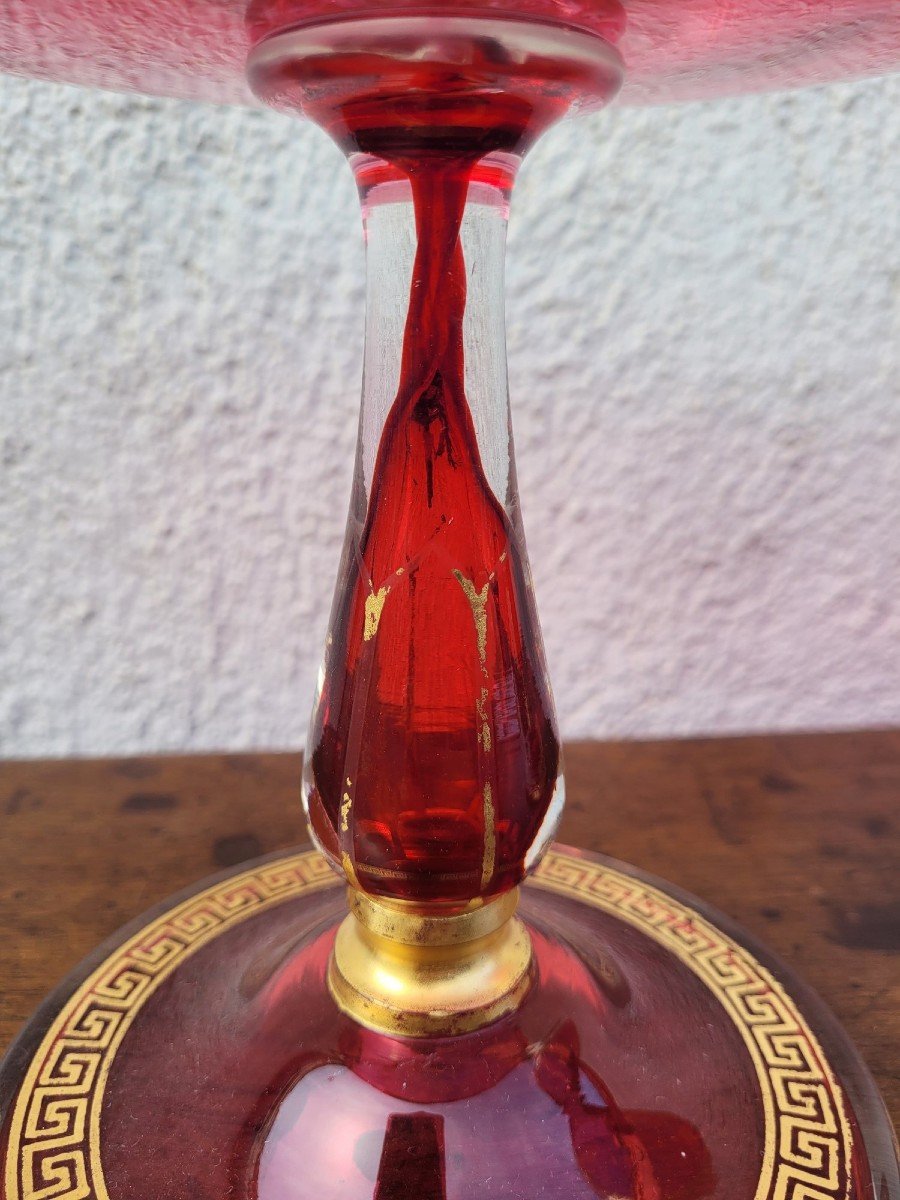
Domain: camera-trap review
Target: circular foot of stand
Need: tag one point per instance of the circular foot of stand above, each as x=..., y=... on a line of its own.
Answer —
x=658, y=1054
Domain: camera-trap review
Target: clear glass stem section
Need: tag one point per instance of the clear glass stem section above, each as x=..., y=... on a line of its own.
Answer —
x=433, y=766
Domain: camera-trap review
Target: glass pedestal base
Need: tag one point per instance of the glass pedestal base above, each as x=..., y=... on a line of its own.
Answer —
x=658, y=1054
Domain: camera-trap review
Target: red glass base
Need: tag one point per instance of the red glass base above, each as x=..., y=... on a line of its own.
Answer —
x=656, y=1056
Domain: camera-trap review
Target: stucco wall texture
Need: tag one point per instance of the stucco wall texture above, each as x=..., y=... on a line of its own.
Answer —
x=704, y=337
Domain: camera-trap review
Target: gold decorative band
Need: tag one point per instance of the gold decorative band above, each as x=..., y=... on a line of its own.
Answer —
x=54, y=1142
x=808, y=1139
x=420, y=926
x=412, y=973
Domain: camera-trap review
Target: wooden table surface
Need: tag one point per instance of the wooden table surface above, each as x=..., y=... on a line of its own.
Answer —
x=794, y=836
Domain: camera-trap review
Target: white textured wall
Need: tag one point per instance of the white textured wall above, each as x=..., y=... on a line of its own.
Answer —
x=705, y=352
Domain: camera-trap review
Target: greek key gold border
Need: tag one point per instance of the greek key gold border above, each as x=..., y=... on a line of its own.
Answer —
x=54, y=1144
x=808, y=1139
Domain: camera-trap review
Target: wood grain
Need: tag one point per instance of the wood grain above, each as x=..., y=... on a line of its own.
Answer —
x=794, y=836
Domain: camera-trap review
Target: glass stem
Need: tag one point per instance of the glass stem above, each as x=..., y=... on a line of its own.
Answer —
x=433, y=763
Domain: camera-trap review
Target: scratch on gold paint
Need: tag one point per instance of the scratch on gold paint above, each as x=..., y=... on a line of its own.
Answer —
x=478, y=604
x=490, y=837
x=346, y=805
x=485, y=735
x=374, y=605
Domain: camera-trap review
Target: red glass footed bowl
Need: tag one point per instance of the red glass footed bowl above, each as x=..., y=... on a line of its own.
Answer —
x=659, y=1053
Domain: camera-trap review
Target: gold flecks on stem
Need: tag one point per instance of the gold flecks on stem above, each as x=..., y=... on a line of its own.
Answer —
x=374, y=605
x=485, y=734
x=488, y=862
x=478, y=604
x=346, y=805
x=349, y=870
